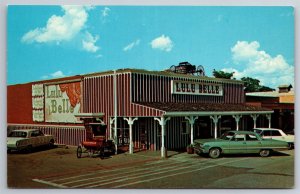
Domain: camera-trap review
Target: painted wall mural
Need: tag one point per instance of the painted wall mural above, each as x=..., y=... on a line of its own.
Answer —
x=62, y=102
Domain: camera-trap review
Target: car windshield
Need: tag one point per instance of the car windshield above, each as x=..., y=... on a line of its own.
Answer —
x=17, y=134
x=227, y=135
x=258, y=131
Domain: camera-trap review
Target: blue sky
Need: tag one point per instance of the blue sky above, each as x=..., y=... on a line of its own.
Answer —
x=46, y=42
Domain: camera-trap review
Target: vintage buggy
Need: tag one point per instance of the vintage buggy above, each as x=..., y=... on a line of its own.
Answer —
x=96, y=144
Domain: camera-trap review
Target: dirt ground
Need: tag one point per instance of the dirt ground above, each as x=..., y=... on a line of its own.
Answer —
x=42, y=163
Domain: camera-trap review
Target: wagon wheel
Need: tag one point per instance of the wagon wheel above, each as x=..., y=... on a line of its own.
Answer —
x=102, y=153
x=79, y=152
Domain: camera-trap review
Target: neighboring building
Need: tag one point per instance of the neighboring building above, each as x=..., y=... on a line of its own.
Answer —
x=147, y=105
x=281, y=101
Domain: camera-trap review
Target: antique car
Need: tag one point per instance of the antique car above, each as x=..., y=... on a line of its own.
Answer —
x=96, y=143
x=238, y=142
x=96, y=146
x=277, y=134
x=27, y=139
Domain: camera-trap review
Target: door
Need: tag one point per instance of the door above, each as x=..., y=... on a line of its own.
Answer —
x=237, y=144
x=253, y=144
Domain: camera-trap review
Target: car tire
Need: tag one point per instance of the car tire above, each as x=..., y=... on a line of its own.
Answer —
x=290, y=146
x=51, y=143
x=28, y=149
x=264, y=153
x=214, y=153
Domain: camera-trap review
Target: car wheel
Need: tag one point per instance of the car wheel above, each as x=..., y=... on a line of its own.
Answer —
x=264, y=153
x=51, y=143
x=214, y=152
x=29, y=149
x=290, y=146
x=79, y=152
x=101, y=153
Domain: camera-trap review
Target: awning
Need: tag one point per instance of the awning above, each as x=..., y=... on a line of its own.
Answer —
x=206, y=109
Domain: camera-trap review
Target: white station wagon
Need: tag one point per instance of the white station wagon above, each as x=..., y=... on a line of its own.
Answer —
x=27, y=139
x=277, y=134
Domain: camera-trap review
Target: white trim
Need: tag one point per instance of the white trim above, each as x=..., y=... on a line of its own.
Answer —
x=89, y=115
x=35, y=125
x=187, y=113
x=60, y=82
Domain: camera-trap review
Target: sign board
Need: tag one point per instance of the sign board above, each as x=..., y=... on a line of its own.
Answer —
x=196, y=88
x=62, y=102
x=38, y=115
x=37, y=102
x=37, y=90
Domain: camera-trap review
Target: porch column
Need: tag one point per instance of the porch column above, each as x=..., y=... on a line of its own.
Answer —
x=254, y=117
x=162, y=121
x=111, y=122
x=269, y=118
x=130, y=122
x=237, y=119
x=191, y=120
x=215, y=119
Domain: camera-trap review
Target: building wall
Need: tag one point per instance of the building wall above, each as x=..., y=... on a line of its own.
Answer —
x=20, y=109
x=98, y=96
x=156, y=88
x=19, y=104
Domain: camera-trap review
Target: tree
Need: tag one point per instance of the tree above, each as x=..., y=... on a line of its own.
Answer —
x=222, y=74
x=252, y=85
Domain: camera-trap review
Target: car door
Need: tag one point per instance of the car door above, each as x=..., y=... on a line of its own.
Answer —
x=277, y=135
x=238, y=144
x=253, y=143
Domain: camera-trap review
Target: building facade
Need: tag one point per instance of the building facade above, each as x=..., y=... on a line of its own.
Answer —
x=281, y=102
x=142, y=109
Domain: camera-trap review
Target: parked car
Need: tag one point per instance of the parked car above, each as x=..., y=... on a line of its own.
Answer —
x=238, y=142
x=277, y=134
x=27, y=139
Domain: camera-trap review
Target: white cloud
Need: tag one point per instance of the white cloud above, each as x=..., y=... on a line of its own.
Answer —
x=56, y=74
x=60, y=28
x=271, y=71
x=89, y=42
x=105, y=11
x=131, y=45
x=163, y=43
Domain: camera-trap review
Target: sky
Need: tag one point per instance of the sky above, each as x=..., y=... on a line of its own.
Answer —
x=46, y=42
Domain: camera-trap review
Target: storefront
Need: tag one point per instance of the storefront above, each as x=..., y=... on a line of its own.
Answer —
x=143, y=109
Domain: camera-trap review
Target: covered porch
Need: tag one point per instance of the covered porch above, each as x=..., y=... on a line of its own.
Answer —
x=189, y=117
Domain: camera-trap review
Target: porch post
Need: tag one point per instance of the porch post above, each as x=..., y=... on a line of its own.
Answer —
x=111, y=122
x=269, y=118
x=215, y=119
x=254, y=117
x=130, y=122
x=237, y=119
x=162, y=121
x=191, y=120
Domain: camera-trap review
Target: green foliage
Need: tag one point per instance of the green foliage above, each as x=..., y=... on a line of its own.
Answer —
x=252, y=85
x=222, y=74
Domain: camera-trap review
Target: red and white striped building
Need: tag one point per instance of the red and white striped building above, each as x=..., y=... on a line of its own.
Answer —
x=143, y=109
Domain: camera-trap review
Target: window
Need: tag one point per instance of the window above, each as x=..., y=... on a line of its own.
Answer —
x=35, y=133
x=185, y=127
x=239, y=137
x=251, y=137
x=276, y=133
x=267, y=133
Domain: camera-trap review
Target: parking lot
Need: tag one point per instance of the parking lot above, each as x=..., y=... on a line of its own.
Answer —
x=59, y=168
